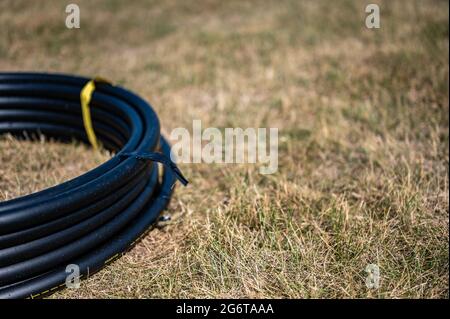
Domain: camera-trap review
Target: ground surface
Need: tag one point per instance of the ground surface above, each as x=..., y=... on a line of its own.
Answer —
x=364, y=153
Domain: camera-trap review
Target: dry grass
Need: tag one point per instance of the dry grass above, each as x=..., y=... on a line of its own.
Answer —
x=364, y=148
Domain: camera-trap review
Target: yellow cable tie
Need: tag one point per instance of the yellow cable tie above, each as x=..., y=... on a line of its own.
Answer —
x=85, y=97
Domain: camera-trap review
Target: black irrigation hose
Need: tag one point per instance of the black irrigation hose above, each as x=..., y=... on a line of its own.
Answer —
x=92, y=219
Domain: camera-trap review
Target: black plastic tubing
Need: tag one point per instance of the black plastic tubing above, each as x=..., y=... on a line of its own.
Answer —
x=92, y=219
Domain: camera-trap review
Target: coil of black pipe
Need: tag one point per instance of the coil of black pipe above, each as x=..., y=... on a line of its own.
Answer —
x=89, y=220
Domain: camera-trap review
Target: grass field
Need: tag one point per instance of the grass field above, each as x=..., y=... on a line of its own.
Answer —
x=363, y=118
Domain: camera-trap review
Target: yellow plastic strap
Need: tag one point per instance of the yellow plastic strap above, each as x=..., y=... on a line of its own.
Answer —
x=85, y=97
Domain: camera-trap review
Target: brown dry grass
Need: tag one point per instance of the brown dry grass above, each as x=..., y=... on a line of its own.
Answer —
x=364, y=149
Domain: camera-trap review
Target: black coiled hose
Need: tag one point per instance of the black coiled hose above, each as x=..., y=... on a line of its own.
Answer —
x=92, y=219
